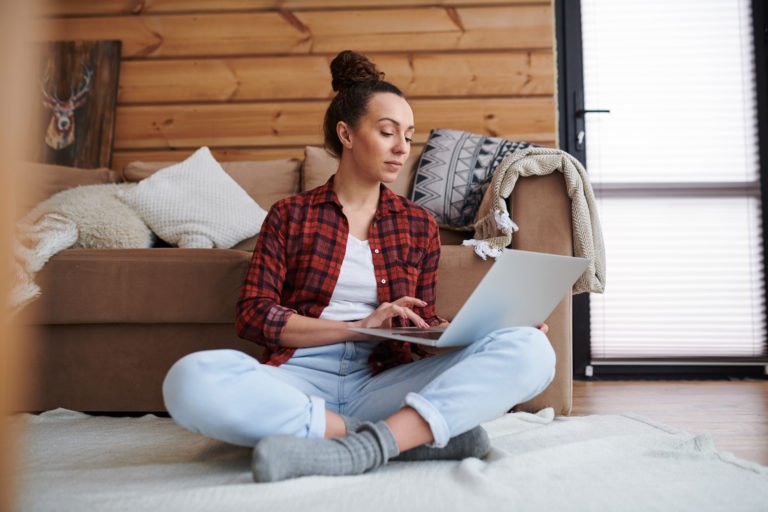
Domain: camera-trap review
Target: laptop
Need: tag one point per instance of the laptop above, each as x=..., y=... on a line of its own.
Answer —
x=521, y=288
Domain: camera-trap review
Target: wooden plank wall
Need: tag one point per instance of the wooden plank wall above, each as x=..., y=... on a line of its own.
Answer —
x=250, y=78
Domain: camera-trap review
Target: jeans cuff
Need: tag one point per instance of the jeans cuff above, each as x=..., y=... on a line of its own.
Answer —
x=317, y=420
x=432, y=416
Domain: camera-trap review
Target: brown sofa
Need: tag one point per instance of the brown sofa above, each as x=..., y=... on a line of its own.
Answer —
x=111, y=322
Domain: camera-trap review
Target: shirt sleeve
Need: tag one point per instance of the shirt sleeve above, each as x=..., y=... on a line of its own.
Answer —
x=260, y=316
x=426, y=287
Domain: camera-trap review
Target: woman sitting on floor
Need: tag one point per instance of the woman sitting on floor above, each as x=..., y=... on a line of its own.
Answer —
x=350, y=253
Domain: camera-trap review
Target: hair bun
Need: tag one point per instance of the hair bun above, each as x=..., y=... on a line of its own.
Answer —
x=349, y=68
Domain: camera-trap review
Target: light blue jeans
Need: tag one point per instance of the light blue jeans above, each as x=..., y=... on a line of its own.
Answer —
x=228, y=395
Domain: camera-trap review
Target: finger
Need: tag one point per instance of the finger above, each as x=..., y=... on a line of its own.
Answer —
x=396, y=310
x=416, y=319
x=406, y=300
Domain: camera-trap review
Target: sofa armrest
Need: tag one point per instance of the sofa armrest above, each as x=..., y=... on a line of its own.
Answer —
x=540, y=206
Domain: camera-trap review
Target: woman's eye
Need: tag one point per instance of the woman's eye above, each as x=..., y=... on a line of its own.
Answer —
x=387, y=134
x=408, y=140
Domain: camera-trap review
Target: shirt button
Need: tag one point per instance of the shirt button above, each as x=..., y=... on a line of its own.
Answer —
x=376, y=251
x=383, y=281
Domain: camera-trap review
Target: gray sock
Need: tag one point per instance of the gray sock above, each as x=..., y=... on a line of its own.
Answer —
x=473, y=443
x=283, y=457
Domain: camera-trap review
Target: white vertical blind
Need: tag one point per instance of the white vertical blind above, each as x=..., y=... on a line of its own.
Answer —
x=675, y=167
x=684, y=279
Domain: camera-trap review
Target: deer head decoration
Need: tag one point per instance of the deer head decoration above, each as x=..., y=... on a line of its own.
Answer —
x=61, y=128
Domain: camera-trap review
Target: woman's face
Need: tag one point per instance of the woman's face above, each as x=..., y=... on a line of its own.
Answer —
x=381, y=141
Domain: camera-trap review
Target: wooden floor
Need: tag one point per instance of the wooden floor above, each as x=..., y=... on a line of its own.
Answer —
x=735, y=412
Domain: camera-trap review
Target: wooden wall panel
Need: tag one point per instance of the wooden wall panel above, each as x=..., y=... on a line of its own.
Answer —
x=187, y=35
x=464, y=28
x=516, y=73
x=272, y=124
x=250, y=78
x=112, y=7
x=306, y=32
x=123, y=157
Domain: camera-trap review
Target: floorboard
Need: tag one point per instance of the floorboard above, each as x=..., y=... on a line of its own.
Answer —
x=735, y=413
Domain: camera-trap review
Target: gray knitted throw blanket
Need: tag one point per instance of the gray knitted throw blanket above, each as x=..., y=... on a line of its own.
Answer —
x=494, y=227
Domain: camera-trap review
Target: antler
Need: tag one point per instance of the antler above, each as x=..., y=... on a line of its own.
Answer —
x=48, y=100
x=78, y=98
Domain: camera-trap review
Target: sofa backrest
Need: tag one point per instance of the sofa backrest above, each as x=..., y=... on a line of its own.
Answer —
x=37, y=182
x=271, y=180
x=265, y=181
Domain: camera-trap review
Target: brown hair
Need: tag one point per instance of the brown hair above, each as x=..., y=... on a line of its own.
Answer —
x=356, y=79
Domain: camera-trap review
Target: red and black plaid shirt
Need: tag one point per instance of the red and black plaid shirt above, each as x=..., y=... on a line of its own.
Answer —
x=298, y=257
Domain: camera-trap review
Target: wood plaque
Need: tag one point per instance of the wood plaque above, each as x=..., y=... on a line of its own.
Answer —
x=77, y=98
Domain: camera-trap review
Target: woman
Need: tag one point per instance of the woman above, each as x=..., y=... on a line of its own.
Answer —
x=350, y=253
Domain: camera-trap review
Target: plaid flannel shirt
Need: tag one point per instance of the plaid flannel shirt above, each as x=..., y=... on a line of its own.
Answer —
x=298, y=257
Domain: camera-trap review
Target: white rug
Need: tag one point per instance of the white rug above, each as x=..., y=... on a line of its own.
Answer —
x=75, y=462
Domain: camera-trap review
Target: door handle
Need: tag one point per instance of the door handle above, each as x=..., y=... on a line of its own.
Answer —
x=581, y=112
x=580, y=134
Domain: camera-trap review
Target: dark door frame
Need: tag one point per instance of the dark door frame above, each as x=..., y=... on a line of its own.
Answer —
x=571, y=107
x=570, y=90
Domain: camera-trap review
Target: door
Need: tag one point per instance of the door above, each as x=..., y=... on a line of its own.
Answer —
x=660, y=100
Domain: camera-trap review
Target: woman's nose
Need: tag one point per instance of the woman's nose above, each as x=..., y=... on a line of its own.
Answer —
x=401, y=146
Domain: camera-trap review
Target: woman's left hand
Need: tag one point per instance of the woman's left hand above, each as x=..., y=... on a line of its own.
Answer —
x=544, y=328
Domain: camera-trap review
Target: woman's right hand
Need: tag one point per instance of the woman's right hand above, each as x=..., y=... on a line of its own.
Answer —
x=386, y=311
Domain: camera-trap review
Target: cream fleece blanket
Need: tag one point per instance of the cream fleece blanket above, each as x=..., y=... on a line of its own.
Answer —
x=74, y=462
x=89, y=216
x=494, y=227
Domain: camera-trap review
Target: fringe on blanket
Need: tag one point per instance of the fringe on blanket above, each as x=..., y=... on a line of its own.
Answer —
x=35, y=244
x=494, y=227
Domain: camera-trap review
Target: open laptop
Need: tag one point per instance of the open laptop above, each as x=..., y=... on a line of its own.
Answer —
x=521, y=288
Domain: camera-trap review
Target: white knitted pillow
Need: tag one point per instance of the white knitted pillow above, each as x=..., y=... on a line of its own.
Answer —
x=195, y=203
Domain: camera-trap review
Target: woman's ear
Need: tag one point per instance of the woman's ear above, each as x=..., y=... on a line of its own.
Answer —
x=344, y=133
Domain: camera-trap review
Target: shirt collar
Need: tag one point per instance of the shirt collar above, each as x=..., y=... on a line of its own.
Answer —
x=389, y=202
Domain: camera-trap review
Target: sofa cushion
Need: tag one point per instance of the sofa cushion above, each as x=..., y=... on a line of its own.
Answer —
x=454, y=171
x=196, y=204
x=249, y=244
x=197, y=286
x=460, y=271
x=37, y=182
x=96, y=286
x=319, y=165
x=265, y=181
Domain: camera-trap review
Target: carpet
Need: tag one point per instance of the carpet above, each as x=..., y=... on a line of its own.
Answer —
x=73, y=461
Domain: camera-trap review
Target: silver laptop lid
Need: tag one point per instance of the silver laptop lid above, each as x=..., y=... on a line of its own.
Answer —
x=522, y=288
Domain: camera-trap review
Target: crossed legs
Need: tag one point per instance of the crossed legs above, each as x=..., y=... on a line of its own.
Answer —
x=294, y=429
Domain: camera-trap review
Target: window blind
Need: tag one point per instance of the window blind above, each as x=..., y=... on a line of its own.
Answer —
x=675, y=167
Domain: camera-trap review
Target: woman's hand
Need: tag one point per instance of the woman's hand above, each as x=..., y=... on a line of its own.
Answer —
x=383, y=315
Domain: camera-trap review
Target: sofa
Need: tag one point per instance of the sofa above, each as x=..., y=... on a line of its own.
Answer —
x=111, y=322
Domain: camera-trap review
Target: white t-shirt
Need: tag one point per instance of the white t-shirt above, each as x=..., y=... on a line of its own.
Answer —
x=355, y=295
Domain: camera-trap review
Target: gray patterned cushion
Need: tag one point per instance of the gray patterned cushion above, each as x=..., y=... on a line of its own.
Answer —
x=454, y=172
